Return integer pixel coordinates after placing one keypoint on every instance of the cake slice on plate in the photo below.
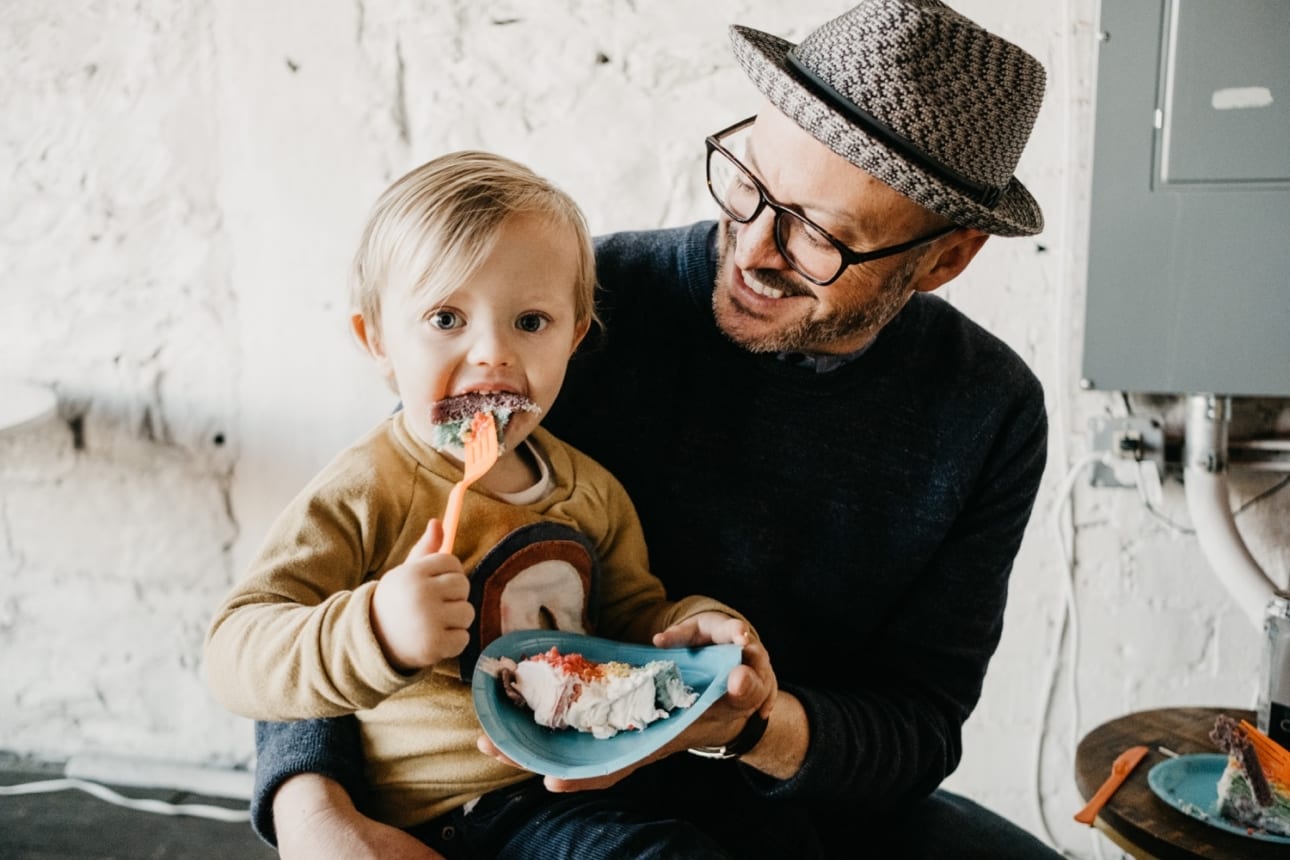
(569, 691)
(1254, 789)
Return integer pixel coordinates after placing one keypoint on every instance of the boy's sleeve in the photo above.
(329, 748)
(294, 639)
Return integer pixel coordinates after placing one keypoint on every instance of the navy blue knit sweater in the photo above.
(864, 519)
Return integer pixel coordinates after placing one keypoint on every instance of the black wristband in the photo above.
(749, 736)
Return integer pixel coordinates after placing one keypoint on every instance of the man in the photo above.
(813, 438)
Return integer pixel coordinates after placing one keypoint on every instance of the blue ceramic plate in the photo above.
(1189, 784)
(570, 754)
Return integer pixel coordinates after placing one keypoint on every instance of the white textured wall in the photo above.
(183, 185)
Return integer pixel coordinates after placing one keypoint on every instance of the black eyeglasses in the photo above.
(809, 248)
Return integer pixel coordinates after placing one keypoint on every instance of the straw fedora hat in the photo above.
(918, 96)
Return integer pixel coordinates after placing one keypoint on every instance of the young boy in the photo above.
(473, 283)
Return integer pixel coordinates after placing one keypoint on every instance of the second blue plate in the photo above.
(1189, 784)
(570, 754)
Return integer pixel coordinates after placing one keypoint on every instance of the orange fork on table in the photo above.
(1123, 765)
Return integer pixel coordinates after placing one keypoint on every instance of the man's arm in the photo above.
(782, 749)
(329, 748)
(897, 732)
(306, 779)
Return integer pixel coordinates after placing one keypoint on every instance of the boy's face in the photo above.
(510, 327)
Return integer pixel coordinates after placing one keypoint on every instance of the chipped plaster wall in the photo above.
(184, 185)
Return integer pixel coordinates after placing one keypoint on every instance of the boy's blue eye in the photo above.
(445, 319)
(531, 323)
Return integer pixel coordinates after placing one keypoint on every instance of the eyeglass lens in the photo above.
(805, 247)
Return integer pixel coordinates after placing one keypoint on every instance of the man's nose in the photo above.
(755, 246)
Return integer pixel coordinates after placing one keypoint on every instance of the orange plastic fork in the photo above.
(481, 453)
(1123, 765)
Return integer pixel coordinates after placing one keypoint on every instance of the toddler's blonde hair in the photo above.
(435, 226)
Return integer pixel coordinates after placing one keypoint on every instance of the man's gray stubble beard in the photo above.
(814, 335)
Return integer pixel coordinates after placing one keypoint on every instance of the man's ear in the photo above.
(369, 337)
(950, 256)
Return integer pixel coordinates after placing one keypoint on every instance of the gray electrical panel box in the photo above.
(1189, 237)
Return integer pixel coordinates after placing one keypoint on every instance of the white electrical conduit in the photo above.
(1205, 481)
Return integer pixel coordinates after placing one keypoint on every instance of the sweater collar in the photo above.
(821, 362)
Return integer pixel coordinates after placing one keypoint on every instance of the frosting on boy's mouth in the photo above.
(451, 416)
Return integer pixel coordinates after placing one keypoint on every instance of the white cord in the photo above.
(1158, 514)
(196, 810)
(1069, 619)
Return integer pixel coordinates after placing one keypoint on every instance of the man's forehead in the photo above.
(815, 179)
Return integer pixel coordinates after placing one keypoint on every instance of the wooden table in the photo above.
(1135, 818)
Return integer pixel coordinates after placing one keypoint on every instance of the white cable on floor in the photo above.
(160, 807)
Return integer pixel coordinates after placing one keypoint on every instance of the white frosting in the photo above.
(604, 706)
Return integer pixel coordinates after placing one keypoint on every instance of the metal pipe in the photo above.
(1264, 455)
(1205, 459)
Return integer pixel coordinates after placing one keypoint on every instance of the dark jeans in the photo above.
(947, 825)
(526, 821)
(636, 819)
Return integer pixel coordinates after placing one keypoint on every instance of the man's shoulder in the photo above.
(952, 341)
(975, 385)
(647, 275)
(662, 248)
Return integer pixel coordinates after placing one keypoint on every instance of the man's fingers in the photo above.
(676, 636)
(718, 627)
(590, 783)
(705, 628)
(756, 656)
(484, 745)
(745, 688)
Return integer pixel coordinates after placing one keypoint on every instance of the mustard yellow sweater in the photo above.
(294, 638)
